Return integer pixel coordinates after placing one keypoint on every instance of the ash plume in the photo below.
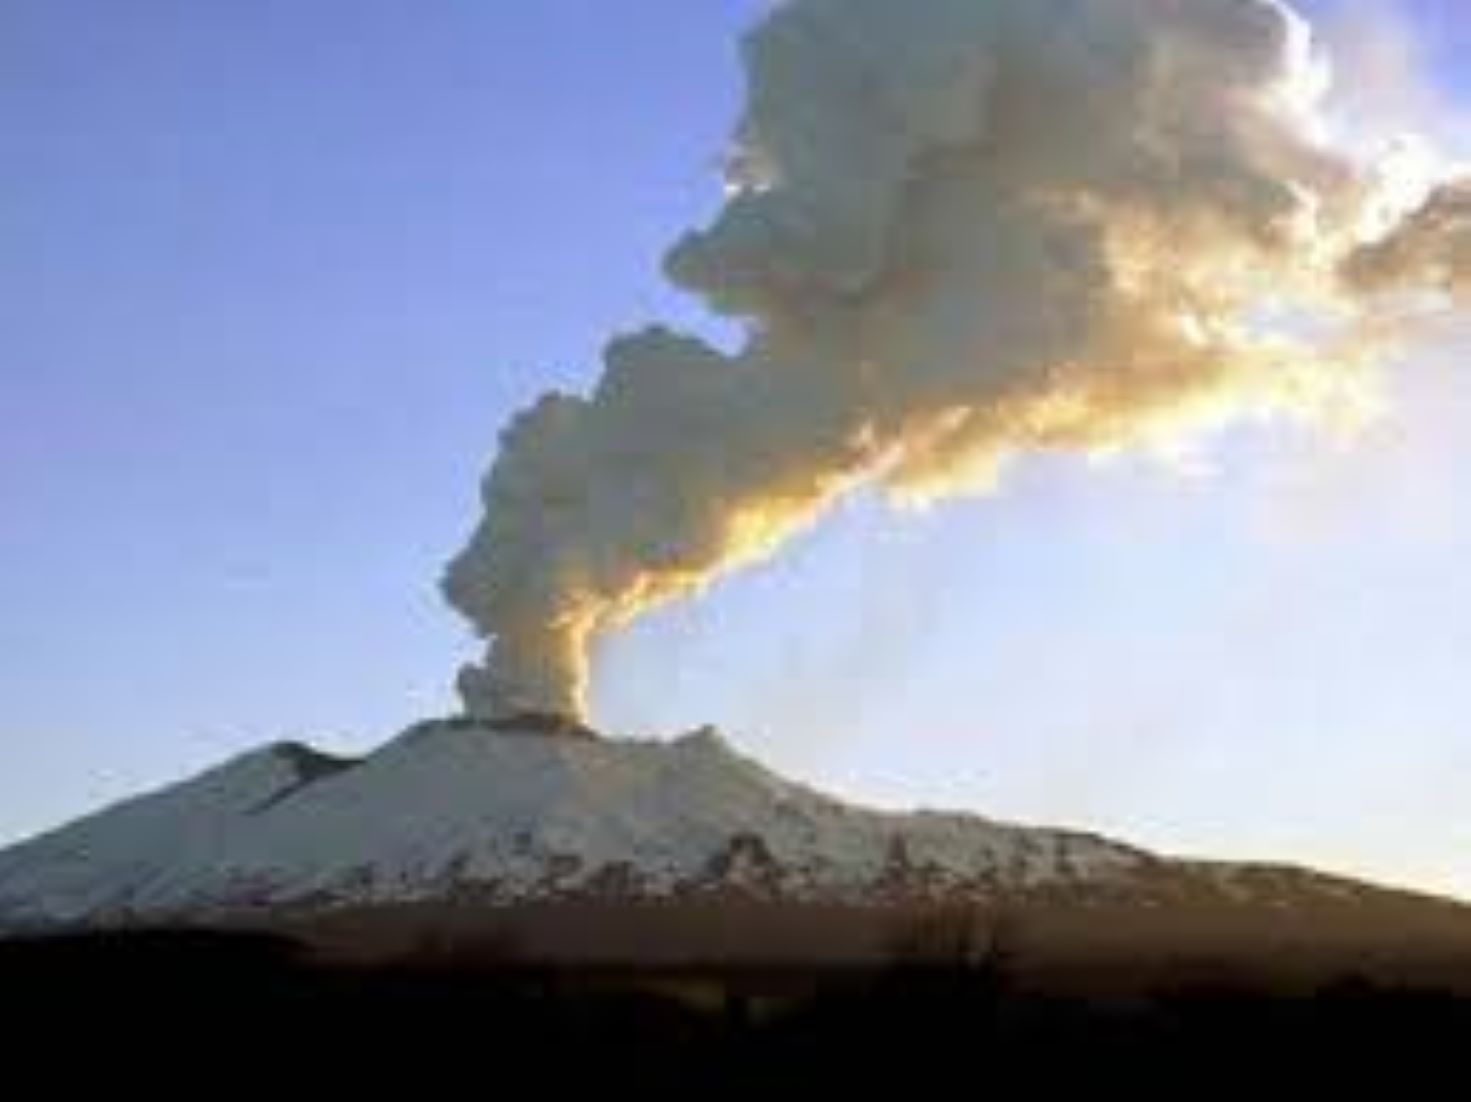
(1429, 252)
(958, 231)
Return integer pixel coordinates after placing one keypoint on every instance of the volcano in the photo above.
(586, 848)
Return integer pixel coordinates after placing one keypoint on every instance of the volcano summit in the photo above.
(587, 848)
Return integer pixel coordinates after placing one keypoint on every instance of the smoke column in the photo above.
(958, 231)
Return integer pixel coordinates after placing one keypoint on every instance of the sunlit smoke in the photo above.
(1428, 253)
(957, 232)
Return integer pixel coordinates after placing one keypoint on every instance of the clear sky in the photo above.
(273, 275)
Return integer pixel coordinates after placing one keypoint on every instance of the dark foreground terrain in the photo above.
(221, 1013)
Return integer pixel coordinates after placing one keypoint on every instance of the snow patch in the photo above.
(471, 807)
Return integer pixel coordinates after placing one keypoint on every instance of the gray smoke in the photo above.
(1429, 252)
(957, 231)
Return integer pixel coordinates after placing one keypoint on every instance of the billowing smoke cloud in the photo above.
(1429, 252)
(957, 231)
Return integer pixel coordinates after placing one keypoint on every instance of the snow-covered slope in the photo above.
(455, 809)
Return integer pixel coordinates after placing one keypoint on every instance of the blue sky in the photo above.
(273, 276)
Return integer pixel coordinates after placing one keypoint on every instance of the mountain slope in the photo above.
(460, 808)
(586, 848)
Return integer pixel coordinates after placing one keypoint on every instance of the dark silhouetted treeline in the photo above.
(256, 1013)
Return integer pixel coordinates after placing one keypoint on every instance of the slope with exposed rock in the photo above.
(620, 847)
